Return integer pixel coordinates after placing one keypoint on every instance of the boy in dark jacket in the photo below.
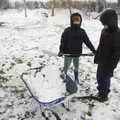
(108, 52)
(71, 44)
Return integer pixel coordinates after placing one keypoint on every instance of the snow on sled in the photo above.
(43, 88)
(46, 85)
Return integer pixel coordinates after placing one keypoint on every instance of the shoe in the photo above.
(101, 97)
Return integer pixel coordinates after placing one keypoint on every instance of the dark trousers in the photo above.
(103, 79)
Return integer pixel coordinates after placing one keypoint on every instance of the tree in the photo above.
(101, 5)
(69, 6)
(53, 7)
(4, 4)
(118, 2)
(25, 8)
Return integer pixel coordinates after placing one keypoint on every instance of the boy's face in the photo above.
(76, 20)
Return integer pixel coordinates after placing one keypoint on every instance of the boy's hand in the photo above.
(60, 54)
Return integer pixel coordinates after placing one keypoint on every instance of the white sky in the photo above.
(48, 0)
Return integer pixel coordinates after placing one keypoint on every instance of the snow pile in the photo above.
(22, 42)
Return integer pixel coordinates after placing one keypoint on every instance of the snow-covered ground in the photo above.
(22, 45)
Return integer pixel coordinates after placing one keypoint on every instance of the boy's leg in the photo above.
(76, 67)
(76, 63)
(103, 80)
(67, 62)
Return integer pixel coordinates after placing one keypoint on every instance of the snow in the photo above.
(42, 84)
(22, 44)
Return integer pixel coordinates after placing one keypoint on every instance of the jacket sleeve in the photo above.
(61, 49)
(88, 42)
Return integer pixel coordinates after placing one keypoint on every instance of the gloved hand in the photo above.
(60, 54)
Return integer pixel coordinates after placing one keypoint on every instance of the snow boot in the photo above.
(102, 97)
(76, 77)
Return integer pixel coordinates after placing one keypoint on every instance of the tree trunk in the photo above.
(25, 8)
(53, 8)
(118, 2)
(69, 6)
(101, 5)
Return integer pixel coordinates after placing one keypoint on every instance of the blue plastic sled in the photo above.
(71, 86)
(47, 104)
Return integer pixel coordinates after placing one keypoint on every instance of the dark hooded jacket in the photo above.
(108, 52)
(72, 39)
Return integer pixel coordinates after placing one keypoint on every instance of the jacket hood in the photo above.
(109, 17)
(75, 14)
